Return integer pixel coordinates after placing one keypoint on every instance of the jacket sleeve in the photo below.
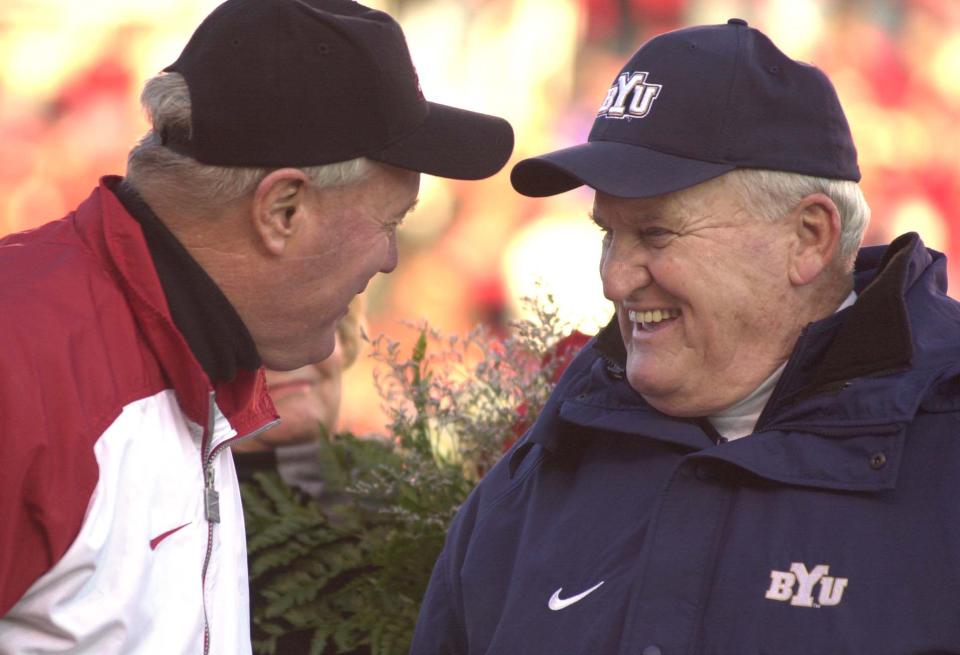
(48, 470)
(24, 546)
(44, 492)
(45, 487)
(439, 629)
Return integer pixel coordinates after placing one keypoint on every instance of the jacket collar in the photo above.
(204, 316)
(117, 238)
(848, 390)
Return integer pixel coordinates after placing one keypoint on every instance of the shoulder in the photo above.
(59, 291)
(934, 326)
(70, 327)
(72, 353)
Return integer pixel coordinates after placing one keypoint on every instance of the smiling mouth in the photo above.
(652, 320)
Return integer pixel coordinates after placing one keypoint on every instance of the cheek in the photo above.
(711, 301)
(690, 282)
(367, 251)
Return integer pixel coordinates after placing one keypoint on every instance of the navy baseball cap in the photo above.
(309, 82)
(695, 103)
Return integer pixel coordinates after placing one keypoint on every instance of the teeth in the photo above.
(652, 316)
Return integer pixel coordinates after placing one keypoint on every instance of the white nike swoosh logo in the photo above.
(557, 603)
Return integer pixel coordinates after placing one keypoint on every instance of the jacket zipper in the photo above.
(211, 500)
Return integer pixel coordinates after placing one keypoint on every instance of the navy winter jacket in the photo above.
(833, 529)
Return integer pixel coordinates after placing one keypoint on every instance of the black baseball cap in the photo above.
(278, 83)
(695, 103)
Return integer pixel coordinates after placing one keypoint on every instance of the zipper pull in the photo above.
(211, 498)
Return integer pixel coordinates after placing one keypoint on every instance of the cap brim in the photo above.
(452, 142)
(617, 169)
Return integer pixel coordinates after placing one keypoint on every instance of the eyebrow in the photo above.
(639, 219)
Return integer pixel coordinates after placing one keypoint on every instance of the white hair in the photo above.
(202, 187)
(774, 193)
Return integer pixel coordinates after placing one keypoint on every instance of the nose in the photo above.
(392, 257)
(623, 268)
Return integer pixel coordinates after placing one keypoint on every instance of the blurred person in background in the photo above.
(308, 402)
(286, 147)
(760, 452)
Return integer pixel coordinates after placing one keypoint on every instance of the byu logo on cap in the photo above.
(635, 84)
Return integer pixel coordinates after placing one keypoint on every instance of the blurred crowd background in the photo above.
(71, 72)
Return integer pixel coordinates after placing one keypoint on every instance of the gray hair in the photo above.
(166, 100)
(774, 193)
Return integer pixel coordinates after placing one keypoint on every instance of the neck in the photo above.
(739, 419)
(217, 241)
(824, 298)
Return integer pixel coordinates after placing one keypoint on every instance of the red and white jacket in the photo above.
(114, 457)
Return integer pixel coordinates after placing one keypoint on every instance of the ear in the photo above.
(279, 205)
(816, 222)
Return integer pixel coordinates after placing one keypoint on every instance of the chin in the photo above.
(660, 395)
(641, 382)
(292, 360)
(644, 374)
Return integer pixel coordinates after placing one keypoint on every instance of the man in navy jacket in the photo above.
(761, 452)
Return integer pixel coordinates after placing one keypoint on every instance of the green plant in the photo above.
(345, 574)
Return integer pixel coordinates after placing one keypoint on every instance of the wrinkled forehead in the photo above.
(716, 192)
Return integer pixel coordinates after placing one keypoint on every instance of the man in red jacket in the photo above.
(286, 147)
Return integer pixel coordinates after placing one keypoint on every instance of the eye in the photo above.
(656, 237)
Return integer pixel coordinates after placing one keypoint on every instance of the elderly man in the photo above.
(761, 452)
(286, 146)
